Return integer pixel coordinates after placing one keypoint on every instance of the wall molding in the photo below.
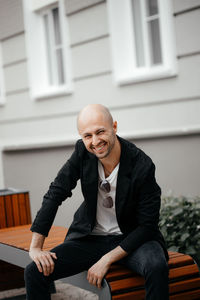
(67, 140)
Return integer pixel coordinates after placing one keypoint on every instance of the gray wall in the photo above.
(177, 170)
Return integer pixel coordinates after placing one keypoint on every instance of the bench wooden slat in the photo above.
(184, 285)
(191, 270)
(135, 295)
(192, 295)
(127, 284)
(175, 262)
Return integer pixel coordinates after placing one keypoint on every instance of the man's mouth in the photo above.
(100, 147)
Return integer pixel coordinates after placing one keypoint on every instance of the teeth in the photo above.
(98, 149)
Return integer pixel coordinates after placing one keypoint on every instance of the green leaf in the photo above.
(184, 236)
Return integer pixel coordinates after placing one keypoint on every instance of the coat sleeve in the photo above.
(147, 213)
(60, 189)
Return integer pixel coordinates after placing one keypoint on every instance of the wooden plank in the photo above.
(181, 272)
(28, 209)
(9, 211)
(22, 209)
(184, 285)
(135, 295)
(2, 213)
(128, 283)
(191, 295)
(138, 282)
(20, 237)
(12, 276)
(180, 261)
(16, 212)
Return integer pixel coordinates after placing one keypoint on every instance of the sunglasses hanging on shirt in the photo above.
(105, 186)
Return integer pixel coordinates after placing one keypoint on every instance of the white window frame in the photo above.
(125, 69)
(2, 83)
(40, 86)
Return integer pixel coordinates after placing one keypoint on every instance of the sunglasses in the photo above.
(105, 186)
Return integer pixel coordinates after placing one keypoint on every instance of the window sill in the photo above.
(143, 75)
(52, 92)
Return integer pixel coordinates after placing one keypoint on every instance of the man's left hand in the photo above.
(98, 271)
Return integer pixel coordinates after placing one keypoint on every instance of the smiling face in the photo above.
(98, 131)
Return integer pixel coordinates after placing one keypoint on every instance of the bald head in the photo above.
(92, 112)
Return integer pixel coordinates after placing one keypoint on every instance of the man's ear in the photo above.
(115, 126)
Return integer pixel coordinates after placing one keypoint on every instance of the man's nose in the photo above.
(95, 140)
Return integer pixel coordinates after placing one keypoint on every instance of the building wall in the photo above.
(161, 116)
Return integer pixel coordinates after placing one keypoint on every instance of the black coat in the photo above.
(137, 196)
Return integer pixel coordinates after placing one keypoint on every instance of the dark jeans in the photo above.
(79, 255)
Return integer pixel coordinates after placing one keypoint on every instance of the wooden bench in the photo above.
(119, 283)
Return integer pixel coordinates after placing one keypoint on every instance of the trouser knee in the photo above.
(158, 270)
(31, 274)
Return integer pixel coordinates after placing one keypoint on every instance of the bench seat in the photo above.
(119, 283)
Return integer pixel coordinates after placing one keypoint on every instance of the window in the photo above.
(48, 49)
(142, 39)
(2, 94)
(54, 47)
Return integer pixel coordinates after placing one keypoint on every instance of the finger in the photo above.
(48, 263)
(45, 266)
(51, 263)
(99, 283)
(53, 255)
(37, 262)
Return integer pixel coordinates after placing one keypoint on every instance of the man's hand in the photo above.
(98, 271)
(43, 259)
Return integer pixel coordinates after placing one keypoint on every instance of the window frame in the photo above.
(40, 88)
(122, 37)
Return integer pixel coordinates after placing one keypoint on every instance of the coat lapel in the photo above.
(124, 176)
(90, 185)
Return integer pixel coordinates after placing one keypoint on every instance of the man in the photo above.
(117, 221)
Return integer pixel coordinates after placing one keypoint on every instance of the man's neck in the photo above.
(112, 160)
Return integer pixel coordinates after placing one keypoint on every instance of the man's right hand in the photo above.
(43, 259)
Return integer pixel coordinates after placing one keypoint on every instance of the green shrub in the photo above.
(180, 224)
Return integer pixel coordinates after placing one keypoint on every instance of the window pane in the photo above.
(60, 68)
(139, 46)
(152, 7)
(48, 49)
(56, 26)
(155, 45)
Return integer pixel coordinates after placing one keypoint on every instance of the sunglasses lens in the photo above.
(108, 202)
(105, 185)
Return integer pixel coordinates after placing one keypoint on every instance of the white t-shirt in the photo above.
(106, 221)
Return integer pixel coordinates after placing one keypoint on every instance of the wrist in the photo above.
(107, 258)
